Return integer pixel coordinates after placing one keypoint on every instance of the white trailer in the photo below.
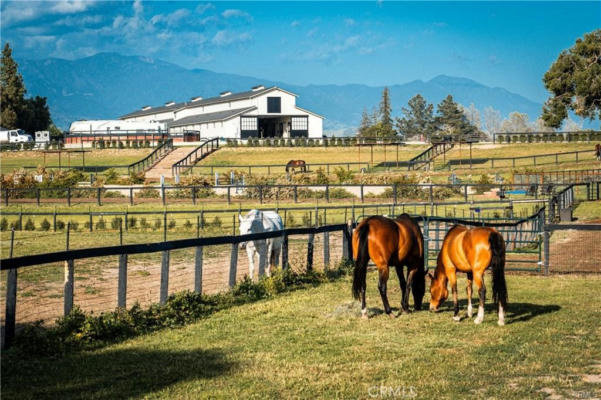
(14, 136)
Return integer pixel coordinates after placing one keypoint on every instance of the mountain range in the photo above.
(107, 85)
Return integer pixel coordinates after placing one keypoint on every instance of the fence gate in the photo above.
(572, 248)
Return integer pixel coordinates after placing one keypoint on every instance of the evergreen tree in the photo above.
(385, 115)
(451, 121)
(365, 123)
(418, 119)
(573, 80)
(35, 115)
(12, 90)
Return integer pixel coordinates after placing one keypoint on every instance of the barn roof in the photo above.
(209, 117)
(204, 102)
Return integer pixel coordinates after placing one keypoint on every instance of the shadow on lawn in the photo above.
(123, 373)
(516, 312)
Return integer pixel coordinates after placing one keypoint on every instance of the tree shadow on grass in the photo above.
(112, 374)
(516, 312)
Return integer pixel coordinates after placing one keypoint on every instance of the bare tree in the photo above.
(517, 122)
(492, 120)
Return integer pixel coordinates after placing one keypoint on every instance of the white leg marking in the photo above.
(364, 313)
(501, 321)
(457, 318)
(480, 316)
(470, 311)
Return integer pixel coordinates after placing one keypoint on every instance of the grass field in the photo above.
(10, 161)
(312, 344)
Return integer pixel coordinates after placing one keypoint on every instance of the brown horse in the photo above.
(598, 151)
(471, 251)
(293, 164)
(395, 243)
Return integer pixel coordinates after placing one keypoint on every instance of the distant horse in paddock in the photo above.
(470, 250)
(390, 242)
(267, 250)
(294, 164)
(598, 151)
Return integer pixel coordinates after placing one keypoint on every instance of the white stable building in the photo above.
(261, 112)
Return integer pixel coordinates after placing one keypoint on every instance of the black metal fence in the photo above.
(572, 248)
(156, 155)
(204, 149)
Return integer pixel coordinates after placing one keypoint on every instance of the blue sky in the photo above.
(505, 44)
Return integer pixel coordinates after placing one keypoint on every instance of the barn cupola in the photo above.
(258, 87)
(226, 93)
(195, 99)
(146, 108)
(169, 103)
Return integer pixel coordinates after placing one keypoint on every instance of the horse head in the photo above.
(251, 223)
(438, 291)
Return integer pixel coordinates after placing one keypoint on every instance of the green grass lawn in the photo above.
(10, 161)
(312, 344)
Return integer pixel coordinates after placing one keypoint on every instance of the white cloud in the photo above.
(202, 8)
(70, 6)
(226, 38)
(349, 21)
(234, 13)
(294, 24)
(171, 19)
(79, 20)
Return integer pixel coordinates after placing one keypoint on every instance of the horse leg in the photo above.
(363, 306)
(453, 282)
(470, 278)
(410, 274)
(383, 275)
(250, 251)
(403, 284)
(479, 281)
(268, 256)
(261, 249)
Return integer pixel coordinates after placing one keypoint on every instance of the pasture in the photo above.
(312, 344)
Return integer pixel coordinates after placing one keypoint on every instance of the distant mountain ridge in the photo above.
(107, 85)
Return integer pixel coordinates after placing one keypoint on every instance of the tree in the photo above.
(451, 121)
(540, 126)
(12, 90)
(492, 120)
(365, 123)
(35, 115)
(385, 114)
(418, 119)
(569, 125)
(472, 114)
(574, 82)
(517, 122)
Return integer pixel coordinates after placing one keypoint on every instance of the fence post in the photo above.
(395, 190)
(465, 192)
(295, 193)
(198, 270)
(38, 196)
(69, 196)
(69, 273)
(6, 197)
(122, 284)
(163, 194)
(164, 291)
(326, 250)
(546, 236)
(131, 196)
(310, 251)
(327, 193)
(284, 250)
(11, 299)
(229, 196)
(98, 201)
(361, 193)
(260, 194)
(426, 242)
(233, 264)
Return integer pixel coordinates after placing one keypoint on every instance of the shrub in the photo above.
(216, 222)
(321, 177)
(3, 224)
(111, 175)
(484, 180)
(187, 224)
(29, 225)
(16, 225)
(172, 224)
(343, 175)
(121, 146)
(144, 224)
(74, 225)
(136, 177)
(157, 223)
(131, 222)
(60, 224)
(100, 224)
(116, 223)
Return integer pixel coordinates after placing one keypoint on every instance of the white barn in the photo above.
(261, 112)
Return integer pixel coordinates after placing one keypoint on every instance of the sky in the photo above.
(499, 44)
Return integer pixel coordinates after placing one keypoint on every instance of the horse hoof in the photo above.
(391, 315)
(500, 323)
(457, 318)
(364, 317)
(477, 321)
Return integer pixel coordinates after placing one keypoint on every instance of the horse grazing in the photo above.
(268, 250)
(294, 164)
(471, 251)
(598, 151)
(395, 243)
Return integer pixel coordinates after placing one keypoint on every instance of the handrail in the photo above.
(205, 148)
(431, 152)
(148, 161)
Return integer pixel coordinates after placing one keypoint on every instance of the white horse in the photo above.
(268, 250)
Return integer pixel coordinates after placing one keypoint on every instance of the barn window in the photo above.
(248, 123)
(274, 105)
(299, 124)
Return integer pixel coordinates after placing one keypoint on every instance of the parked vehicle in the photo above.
(15, 136)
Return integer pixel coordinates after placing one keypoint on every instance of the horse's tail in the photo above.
(360, 272)
(497, 263)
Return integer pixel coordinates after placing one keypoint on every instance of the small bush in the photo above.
(100, 224)
(131, 222)
(144, 224)
(216, 222)
(187, 224)
(172, 224)
(60, 224)
(116, 223)
(29, 225)
(157, 223)
(45, 225)
(16, 225)
(3, 224)
(121, 146)
(74, 225)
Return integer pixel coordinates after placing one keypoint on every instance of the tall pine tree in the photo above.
(451, 121)
(417, 120)
(12, 91)
(386, 129)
